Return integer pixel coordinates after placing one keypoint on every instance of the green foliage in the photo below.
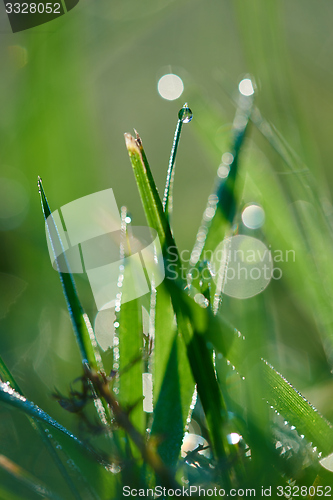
(260, 431)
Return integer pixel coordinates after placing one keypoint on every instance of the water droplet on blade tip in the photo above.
(185, 114)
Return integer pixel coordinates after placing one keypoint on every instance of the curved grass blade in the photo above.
(10, 396)
(276, 390)
(84, 460)
(26, 479)
(83, 330)
(184, 116)
(6, 376)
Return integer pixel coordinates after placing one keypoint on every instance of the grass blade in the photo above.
(83, 330)
(26, 479)
(297, 410)
(148, 192)
(198, 354)
(10, 396)
(184, 116)
(6, 376)
(131, 361)
(221, 205)
(173, 403)
(276, 390)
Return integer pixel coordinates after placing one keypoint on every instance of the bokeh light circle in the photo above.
(170, 87)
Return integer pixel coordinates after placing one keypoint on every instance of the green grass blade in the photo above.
(6, 376)
(297, 410)
(164, 326)
(81, 324)
(86, 461)
(26, 479)
(184, 116)
(10, 396)
(173, 402)
(130, 347)
(148, 192)
(276, 390)
(198, 354)
(83, 330)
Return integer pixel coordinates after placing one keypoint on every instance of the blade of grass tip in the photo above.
(196, 347)
(83, 330)
(27, 479)
(184, 116)
(148, 192)
(6, 376)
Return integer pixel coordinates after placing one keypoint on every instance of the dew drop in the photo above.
(234, 438)
(185, 114)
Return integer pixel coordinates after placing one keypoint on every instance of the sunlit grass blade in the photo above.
(164, 314)
(26, 479)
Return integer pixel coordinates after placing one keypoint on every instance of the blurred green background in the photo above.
(69, 91)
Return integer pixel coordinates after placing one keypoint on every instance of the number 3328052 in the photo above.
(33, 8)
